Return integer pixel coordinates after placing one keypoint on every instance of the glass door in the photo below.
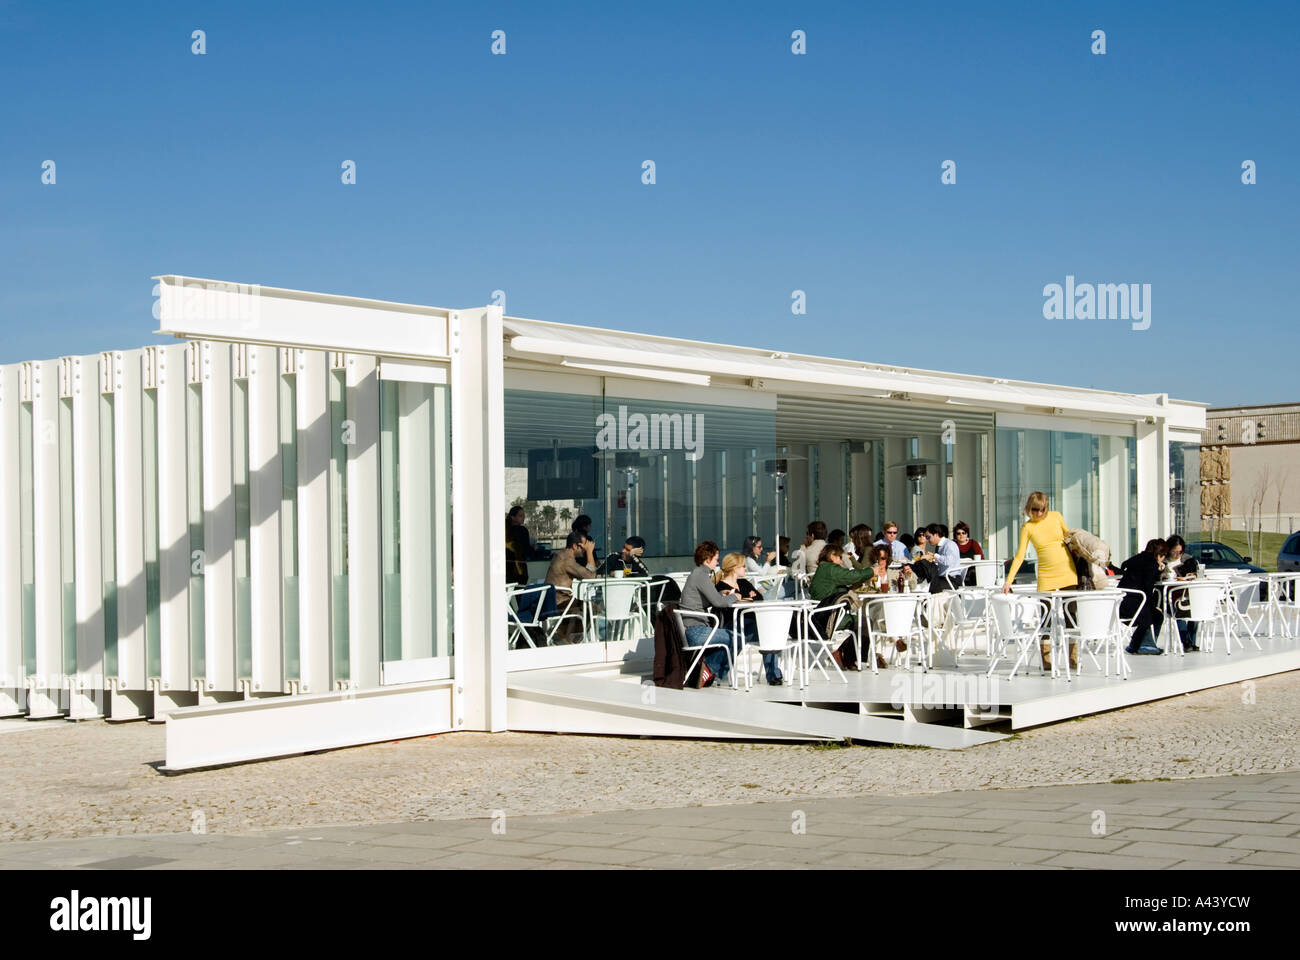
(415, 512)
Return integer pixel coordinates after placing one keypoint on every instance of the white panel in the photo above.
(248, 313)
(12, 683)
(218, 522)
(87, 697)
(1022, 421)
(264, 490)
(478, 464)
(415, 518)
(390, 369)
(314, 605)
(256, 729)
(48, 577)
(128, 505)
(173, 521)
(365, 615)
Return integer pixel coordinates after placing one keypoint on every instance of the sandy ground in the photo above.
(95, 779)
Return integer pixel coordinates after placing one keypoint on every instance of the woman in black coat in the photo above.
(1143, 572)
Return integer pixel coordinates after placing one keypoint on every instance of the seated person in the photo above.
(941, 563)
(882, 580)
(576, 561)
(1142, 572)
(730, 583)
(889, 538)
(838, 538)
(1181, 565)
(804, 560)
(699, 594)
(860, 537)
(756, 561)
(627, 561)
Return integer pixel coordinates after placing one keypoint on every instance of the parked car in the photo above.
(1211, 553)
(1288, 558)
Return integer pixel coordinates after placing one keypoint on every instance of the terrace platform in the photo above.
(944, 708)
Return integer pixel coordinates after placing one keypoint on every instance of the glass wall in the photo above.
(670, 471)
(1185, 488)
(1090, 479)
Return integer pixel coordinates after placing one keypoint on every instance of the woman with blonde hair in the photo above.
(730, 582)
(1047, 531)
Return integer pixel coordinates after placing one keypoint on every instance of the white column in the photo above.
(86, 699)
(13, 694)
(128, 507)
(264, 491)
(48, 577)
(1153, 481)
(415, 518)
(478, 464)
(314, 607)
(365, 589)
(218, 522)
(173, 526)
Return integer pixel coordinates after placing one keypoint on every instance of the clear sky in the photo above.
(774, 172)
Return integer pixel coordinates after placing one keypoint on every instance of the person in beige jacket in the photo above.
(566, 566)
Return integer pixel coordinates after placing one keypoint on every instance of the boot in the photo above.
(1046, 650)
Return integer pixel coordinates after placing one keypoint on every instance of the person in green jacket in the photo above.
(831, 576)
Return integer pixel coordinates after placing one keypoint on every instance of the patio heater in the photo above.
(777, 467)
(916, 471)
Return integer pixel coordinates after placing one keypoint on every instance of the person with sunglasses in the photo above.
(1047, 531)
(889, 538)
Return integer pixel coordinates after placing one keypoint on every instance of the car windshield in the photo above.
(1229, 555)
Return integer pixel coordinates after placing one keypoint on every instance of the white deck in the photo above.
(937, 709)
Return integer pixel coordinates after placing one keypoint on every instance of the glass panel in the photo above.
(26, 509)
(153, 637)
(415, 501)
(289, 522)
(107, 529)
(243, 583)
(194, 508)
(340, 431)
(67, 537)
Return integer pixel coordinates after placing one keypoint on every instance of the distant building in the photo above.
(1263, 446)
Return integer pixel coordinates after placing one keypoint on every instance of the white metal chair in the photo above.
(709, 641)
(522, 618)
(567, 612)
(772, 620)
(1245, 594)
(968, 617)
(1284, 600)
(1208, 603)
(891, 617)
(1092, 621)
(820, 642)
(1016, 619)
(619, 596)
(1129, 624)
(987, 572)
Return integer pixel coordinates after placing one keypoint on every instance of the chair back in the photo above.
(619, 594)
(898, 611)
(773, 627)
(1217, 573)
(986, 573)
(1244, 593)
(1095, 616)
(1015, 616)
(968, 606)
(1203, 597)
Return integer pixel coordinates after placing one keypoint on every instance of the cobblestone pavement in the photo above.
(1217, 823)
(96, 779)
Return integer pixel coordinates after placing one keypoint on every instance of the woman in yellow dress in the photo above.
(1047, 531)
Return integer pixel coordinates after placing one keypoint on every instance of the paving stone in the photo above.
(1276, 844)
(480, 861)
(1081, 842)
(786, 839)
(505, 847)
(1272, 858)
(1183, 851)
(1109, 861)
(1233, 813)
(1194, 837)
(597, 855)
(689, 847)
(999, 854)
(984, 838)
(1247, 827)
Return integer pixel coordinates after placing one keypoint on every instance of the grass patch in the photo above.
(1124, 780)
(833, 744)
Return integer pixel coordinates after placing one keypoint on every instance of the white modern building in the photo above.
(285, 532)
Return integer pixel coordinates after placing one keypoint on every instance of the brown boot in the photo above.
(1046, 650)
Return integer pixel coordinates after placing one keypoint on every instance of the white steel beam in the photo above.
(44, 697)
(128, 507)
(13, 693)
(314, 607)
(478, 465)
(365, 590)
(251, 313)
(264, 491)
(218, 523)
(173, 527)
(86, 690)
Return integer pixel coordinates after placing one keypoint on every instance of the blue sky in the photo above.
(774, 172)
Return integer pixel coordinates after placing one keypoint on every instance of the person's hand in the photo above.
(771, 555)
(1006, 588)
